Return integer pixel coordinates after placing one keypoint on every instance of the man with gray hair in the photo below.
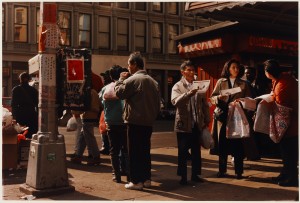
(142, 105)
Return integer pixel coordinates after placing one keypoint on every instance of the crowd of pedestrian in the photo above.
(127, 104)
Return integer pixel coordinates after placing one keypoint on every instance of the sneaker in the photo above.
(132, 186)
(147, 184)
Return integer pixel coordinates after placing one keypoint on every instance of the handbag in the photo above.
(237, 124)
(206, 140)
(280, 119)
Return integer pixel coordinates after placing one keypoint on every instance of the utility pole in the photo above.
(47, 171)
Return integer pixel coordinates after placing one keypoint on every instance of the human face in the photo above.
(132, 68)
(188, 73)
(250, 75)
(234, 70)
(268, 75)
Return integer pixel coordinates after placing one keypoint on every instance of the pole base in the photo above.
(45, 192)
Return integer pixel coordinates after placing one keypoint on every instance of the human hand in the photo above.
(192, 92)
(124, 75)
(222, 97)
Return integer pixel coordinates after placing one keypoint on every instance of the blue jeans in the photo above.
(88, 139)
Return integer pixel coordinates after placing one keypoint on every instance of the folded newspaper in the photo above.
(201, 85)
(231, 91)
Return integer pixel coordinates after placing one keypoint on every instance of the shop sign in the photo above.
(289, 47)
(200, 46)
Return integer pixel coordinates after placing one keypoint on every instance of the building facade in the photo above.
(111, 30)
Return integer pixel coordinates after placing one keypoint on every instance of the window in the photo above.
(21, 24)
(187, 28)
(173, 8)
(140, 36)
(38, 17)
(141, 6)
(157, 38)
(3, 23)
(105, 4)
(123, 5)
(104, 32)
(84, 30)
(157, 7)
(173, 31)
(122, 34)
(64, 24)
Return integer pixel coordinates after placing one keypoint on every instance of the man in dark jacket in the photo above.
(24, 104)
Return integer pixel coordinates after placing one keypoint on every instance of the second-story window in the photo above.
(38, 21)
(84, 39)
(104, 32)
(64, 24)
(122, 34)
(187, 28)
(105, 4)
(140, 35)
(20, 24)
(157, 7)
(157, 38)
(173, 32)
(140, 6)
(123, 5)
(172, 8)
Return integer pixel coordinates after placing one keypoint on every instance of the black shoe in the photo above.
(221, 175)
(104, 151)
(239, 176)
(278, 178)
(288, 183)
(197, 179)
(94, 161)
(183, 181)
(117, 179)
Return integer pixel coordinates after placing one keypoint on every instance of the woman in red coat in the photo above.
(285, 92)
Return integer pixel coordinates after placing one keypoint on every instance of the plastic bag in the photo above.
(6, 117)
(237, 123)
(109, 92)
(206, 140)
(72, 124)
(262, 117)
(279, 121)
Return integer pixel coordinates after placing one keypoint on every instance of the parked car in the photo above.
(6, 103)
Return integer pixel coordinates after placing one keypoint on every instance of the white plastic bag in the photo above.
(109, 92)
(6, 117)
(72, 124)
(206, 140)
(237, 124)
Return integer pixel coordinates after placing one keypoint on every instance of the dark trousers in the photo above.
(139, 144)
(118, 144)
(233, 147)
(184, 142)
(289, 152)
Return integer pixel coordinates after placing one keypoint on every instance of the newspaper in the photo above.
(201, 85)
(248, 103)
(267, 97)
(231, 91)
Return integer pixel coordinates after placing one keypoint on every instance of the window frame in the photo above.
(121, 34)
(144, 36)
(144, 3)
(84, 30)
(3, 22)
(21, 24)
(160, 7)
(177, 8)
(68, 29)
(102, 32)
(155, 50)
(171, 40)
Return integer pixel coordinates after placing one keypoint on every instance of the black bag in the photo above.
(220, 114)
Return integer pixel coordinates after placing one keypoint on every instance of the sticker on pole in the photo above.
(75, 70)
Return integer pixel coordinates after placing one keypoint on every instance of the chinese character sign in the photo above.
(75, 70)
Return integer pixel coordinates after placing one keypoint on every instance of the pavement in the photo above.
(95, 182)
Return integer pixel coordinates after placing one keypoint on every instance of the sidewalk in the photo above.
(94, 182)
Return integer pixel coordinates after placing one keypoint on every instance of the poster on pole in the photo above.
(75, 70)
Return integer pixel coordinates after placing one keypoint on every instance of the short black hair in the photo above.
(115, 71)
(23, 76)
(225, 72)
(136, 58)
(185, 64)
(272, 67)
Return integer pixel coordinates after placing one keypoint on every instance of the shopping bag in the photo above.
(237, 124)
(72, 124)
(262, 117)
(206, 139)
(279, 121)
(109, 92)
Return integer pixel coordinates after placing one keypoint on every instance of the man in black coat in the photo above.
(24, 104)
